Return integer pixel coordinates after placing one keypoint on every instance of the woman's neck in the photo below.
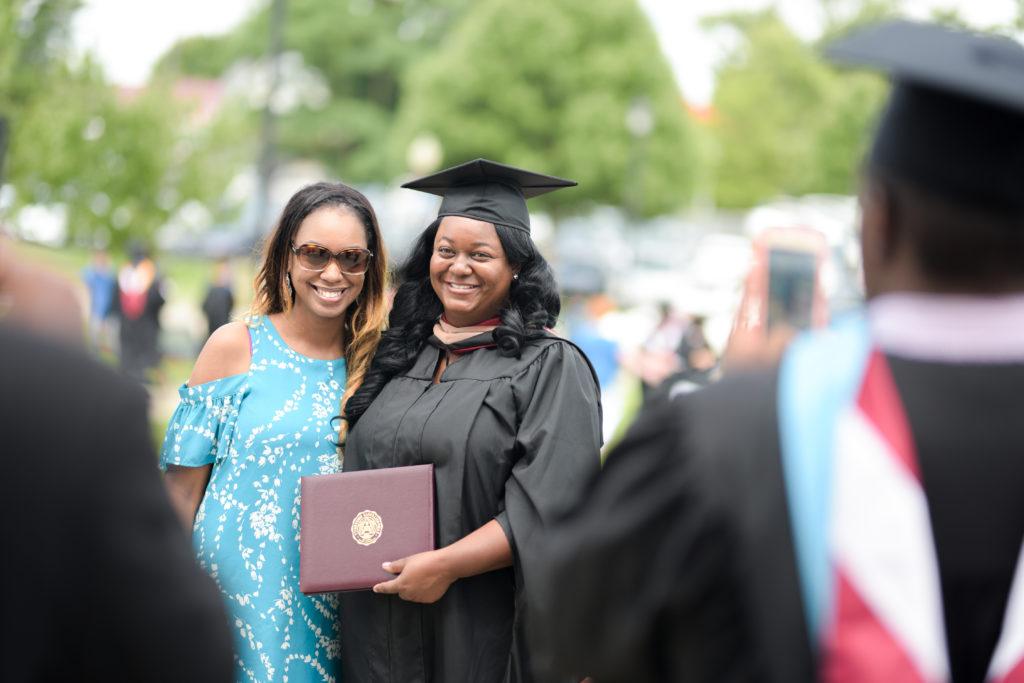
(464, 322)
(311, 335)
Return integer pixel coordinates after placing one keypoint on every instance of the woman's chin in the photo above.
(330, 310)
(460, 310)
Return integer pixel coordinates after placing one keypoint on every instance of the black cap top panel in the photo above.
(955, 121)
(975, 65)
(488, 191)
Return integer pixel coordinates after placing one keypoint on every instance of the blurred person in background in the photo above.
(257, 414)
(658, 357)
(699, 362)
(469, 378)
(99, 583)
(219, 299)
(583, 322)
(99, 280)
(854, 514)
(140, 298)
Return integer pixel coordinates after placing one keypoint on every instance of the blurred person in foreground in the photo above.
(469, 378)
(219, 299)
(34, 298)
(257, 415)
(99, 583)
(140, 297)
(854, 514)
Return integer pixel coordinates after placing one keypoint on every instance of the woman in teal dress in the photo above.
(259, 412)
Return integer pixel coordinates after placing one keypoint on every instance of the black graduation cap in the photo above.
(488, 191)
(954, 123)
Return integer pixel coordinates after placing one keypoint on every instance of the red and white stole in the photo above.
(886, 620)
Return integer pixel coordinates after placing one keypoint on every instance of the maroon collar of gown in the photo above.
(483, 340)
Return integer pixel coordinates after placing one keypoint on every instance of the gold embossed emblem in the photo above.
(367, 527)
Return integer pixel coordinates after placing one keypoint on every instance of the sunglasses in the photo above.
(312, 256)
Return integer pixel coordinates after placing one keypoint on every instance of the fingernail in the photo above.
(385, 566)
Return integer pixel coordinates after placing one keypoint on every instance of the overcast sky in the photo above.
(129, 35)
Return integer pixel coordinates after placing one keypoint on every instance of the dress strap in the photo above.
(257, 328)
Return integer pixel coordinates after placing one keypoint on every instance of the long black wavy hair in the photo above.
(533, 304)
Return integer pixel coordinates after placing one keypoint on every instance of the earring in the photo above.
(515, 276)
(288, 279)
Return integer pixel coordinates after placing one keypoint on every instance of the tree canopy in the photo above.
(119, 162)
(788, 123)
(548, 85)
(360, 48)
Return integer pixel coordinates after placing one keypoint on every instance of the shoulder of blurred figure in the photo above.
(59, 373)
(225, 353)
(37, 299)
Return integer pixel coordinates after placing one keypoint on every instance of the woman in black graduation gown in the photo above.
(469, 378)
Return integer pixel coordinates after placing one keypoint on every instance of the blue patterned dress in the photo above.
(262, 431)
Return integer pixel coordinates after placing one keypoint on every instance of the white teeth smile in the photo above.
(331, 294)
(461, 287)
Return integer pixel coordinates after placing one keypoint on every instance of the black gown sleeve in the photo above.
(558, 443)
(634, 585)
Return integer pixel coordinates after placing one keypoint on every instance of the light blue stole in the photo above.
(818, 379)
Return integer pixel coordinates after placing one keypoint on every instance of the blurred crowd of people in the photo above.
(124, 308)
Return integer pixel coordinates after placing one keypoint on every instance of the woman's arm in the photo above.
(425, 577)
(226, 353)
(186, 486)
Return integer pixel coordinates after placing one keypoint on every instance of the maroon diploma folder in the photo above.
(353, 521)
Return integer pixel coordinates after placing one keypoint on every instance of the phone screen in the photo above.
(791, 279)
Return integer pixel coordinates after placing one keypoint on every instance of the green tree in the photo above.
(118, 162)
(547, 84)
(34, 44)
(360, 48)
(105, 160)
(787, 122)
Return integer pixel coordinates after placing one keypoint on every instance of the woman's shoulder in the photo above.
(554, 348)
(549, 351)
(226, 352)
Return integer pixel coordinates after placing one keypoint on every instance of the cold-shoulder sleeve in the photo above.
(558, 448)
(200, 431)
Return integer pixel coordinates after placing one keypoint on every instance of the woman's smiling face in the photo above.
(469, 271)
(328, 292)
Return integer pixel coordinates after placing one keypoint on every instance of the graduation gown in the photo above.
(681, 561)
(511, 439)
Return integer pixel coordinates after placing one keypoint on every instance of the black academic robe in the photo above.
(217, 305)
(511, 439)
(681, 561)
(139, 336)
(99, 580)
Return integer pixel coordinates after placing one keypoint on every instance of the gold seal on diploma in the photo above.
(367, 527)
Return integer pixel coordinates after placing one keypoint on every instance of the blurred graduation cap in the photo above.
(488, 191)
(954, 123)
